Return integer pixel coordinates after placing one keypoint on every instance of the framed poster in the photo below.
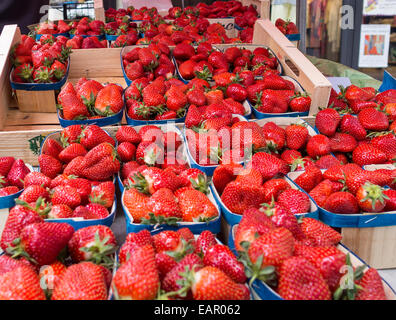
(379, 8)
(374, 45)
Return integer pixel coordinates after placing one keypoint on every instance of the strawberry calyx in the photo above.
(26, 72)
(90, 103)
(348, 288)
(374, 193)
(43, 75)
(187, 247)
(40, 206)
(99, 252)
(204, 74)
(16, 250)
(139, 183)
(160, 220)
(255, 271)
(202, 184)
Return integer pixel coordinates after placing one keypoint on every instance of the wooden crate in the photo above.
(376, 246)
(294, 63)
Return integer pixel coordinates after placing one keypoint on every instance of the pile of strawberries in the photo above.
(89, 99)
(126, 32)
(176, 265)
(79, 42)
(43, 62)
(300, 261)
(87, 27)
(348, 189)
(150, 62)
(52, 28)
(112, 14)
(259, 186)
(12, 174)
(367, 138)
(159, 100)
(76, 172)
(48, 260)
(286, 27)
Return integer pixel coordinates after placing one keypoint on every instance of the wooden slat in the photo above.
(36, 101)
(18, 118)
(295, 64)
(95, 63)
(376, 246)
(9, 37)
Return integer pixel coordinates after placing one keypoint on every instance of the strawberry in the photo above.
(342, 202)
(310, 178)
(328, 260)
(327, 121)
(37, 178)
(300, 280)
(72, 151)
(193, 117)
(372, 286)
(374, 120)
(49, 166)
(368, 154)
(21, 283)
(300, 103)
(390, 203)
(273, 188)
(73, 168)
(128, 134)
(337, 173)
(355, 179)
(6, 191)
(321, 192)
(221, 257)
(133, 241)
(94, 243)
(195, 178)
(66, 195)
(60, 211)
(82, 186)
(342, 142)
(275, 136)
(318, 145)
(137, 278)
(163, 203)
(371, 198)
(204, 241)
(385, 142)
(5, 165)
(355, 93)
(296, 136)
(73, 108)
(33, 193)
(92, 135)
(210, 283)
(224, 174)
(151, 179)
(165, 264)
(19, 217)
(103, 194)
(17, 173)
(196, 206)
(320, 233)
(71, 134)
(268, 165)
(42, 242)
(236, 92)
(239, 196)
(294, 200)
(196, 97)
(350, 124)
(327, 161)
(136, 203)
(100, 163)
(7, 263)
(109, 101)
(82, 281)
(51, 274)
(234, 107)
(97, 211)
(149, 153)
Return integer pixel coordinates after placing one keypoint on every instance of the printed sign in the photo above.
(374, 46)
(379, 7)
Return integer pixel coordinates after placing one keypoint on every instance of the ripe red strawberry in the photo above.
(37, 178)
(149, 153)
(164, 203)
(204, 241)
(100, 163)
(372, 285)
(318, 145)
(296, 136)
(172, 279)
(320, 233)
(342, 142)
(73, 107)
(350, 124)
(137, 279)
(49, 166)
(52, 147)
(82, 281)
(295, 200)
(300, 103)
(386, 143)
(42, 242)
(196, 206)
(72, 151)
(7, 263)
(97, 211)
(71, 134)
(165, 264)
(301, 280)
(93, 135)
(268, 165)
(221, 257)
(390, 204)
(368, 154)
(355, 179)
(73, 168)
(18, 218)
(210, 283)
(103, 194)
(238, 196)
(34, 192)
(94, 243)
(5, 165)
(60, 211)
(321, 192)
(133, 241)
(371, 198)
(224, 174)
(374, 120)
(128, 134)
(273, 188)
(17, 173)
(355, 93)
(20, 283)
(328, 260)
(6, 191)
(327, 121)
(342, 202)
(327, 161)
(310, 178)
(336, 173)
(51, 274)
(136, 203)
(151, 179)
(82, 186)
